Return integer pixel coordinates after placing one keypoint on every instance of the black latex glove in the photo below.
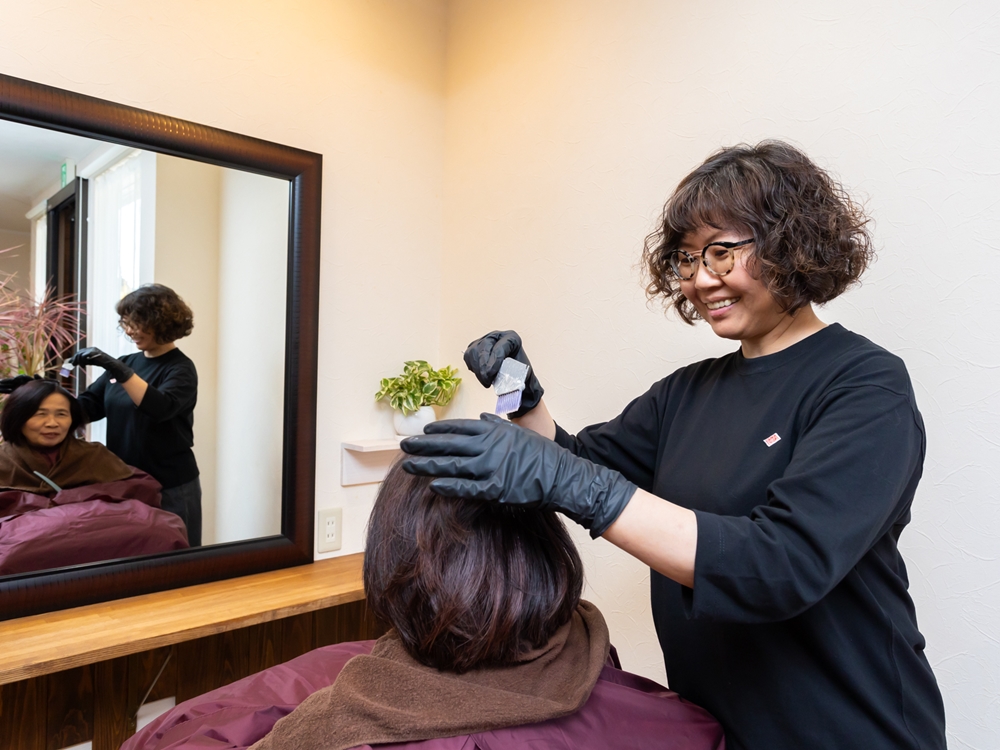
(9, 385)
(94, 356)
(484, 357)
(492, 459)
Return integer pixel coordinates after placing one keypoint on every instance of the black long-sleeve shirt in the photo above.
(158, 435)
(800, 466)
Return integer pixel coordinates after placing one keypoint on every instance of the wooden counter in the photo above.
(80, 674)
(47, 643)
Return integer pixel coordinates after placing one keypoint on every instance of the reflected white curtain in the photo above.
(39, 243)
(114, 259)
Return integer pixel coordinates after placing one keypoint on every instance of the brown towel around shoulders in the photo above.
(388, 696)
(77, 464)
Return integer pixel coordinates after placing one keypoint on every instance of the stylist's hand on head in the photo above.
(484, 357)
(493, 460)
(94, 356)
(9, 385)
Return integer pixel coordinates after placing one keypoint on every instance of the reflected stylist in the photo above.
(766, 489)
(149, 397)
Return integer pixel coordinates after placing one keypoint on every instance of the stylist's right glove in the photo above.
(94, 356)
(484, 357)
(494, 460)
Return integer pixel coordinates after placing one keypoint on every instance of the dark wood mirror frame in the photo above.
(47, 107)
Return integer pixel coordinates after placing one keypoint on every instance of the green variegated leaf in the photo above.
(419, 385)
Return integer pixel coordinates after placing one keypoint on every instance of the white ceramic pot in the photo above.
(414, 423)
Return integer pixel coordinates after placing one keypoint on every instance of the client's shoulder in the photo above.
(94, 461)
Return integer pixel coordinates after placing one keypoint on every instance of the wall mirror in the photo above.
(97, 198)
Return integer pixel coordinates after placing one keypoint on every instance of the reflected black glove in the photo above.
(492, 459)
(94, 356)
(484, 357)
(9, 385)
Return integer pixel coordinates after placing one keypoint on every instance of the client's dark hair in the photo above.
(21, 405)
(466, 583)
(157, 309)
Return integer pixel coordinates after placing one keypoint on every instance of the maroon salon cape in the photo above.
(624, 711)
(85, 524)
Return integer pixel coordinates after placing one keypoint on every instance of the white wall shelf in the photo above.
(367, 461)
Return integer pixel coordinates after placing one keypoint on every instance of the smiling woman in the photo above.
(39, 414)
(809, 237)
(67, 501)
(736, 303)
(148, 398)
(50, 425)
(773, 234)
(767, 489)
(39, 451)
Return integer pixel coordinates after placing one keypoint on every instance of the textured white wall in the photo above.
(186, 258)
(359, 81)
(253, 237)
(16, 261)
(568, 122)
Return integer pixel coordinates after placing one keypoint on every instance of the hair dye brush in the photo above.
(509, 384)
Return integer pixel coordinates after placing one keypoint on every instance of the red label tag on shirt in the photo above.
(769, 441)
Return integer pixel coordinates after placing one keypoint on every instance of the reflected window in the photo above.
(120, 251)
(39, 240)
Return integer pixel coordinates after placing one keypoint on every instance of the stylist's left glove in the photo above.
(94, 356)
(491, 459)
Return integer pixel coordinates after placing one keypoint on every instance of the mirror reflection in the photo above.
(149, 292)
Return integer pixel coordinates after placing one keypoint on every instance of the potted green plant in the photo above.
(415, 392)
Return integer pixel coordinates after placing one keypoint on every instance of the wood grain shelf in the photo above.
(46, 643)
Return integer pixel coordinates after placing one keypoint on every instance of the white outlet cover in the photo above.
(329, 529)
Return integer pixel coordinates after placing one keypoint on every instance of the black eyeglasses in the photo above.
(717, 257)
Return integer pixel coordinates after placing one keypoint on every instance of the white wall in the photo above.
(186, 258)
(17, 261)
(253, 258)
(221, 243)
(570, 121)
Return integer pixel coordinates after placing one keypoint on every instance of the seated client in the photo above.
(63, 500)
(38, 423)
(490, 646)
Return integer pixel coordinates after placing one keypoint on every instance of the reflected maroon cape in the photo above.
(102, 521)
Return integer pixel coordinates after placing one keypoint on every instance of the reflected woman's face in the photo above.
(143, 339)
(50, 424)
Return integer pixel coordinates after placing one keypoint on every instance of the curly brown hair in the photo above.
(157, 309)
(811, 239)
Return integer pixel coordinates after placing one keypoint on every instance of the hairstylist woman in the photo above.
(148, 398)
(766, 489)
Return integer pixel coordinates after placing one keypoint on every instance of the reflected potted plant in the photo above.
(415, 392)
(34, 335)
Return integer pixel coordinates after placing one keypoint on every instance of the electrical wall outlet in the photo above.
(328, 529)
